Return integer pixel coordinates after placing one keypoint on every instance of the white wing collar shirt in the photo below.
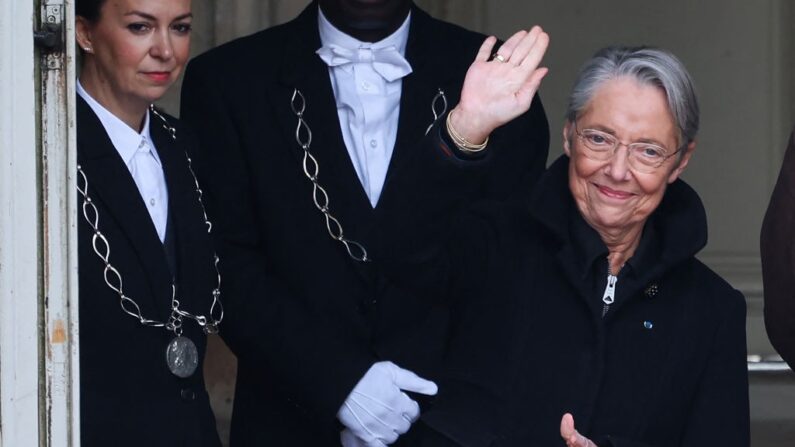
(367, 82)
(140, 155)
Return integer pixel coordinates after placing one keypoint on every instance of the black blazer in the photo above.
(128, 397)
(274, 242)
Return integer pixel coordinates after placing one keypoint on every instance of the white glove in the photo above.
(377, 411)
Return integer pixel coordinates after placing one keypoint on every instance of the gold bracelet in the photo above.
(462, 142)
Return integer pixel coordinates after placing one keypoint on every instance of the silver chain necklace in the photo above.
(182, 357)
(303, 136)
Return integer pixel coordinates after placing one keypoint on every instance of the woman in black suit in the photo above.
(149, 287)
(589, 319)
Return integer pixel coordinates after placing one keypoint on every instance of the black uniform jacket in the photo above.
(275, 244)
(778, 259)
(128, 396)
(665, 366)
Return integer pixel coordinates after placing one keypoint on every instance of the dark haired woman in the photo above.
(149, 288)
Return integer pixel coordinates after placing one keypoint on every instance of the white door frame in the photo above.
(39, 376)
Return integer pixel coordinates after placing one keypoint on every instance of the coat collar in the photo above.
(674, 232)
(125, 139)
(434, 65)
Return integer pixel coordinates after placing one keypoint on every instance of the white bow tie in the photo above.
(388, 62)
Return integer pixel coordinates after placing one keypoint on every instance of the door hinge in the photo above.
(49, 38)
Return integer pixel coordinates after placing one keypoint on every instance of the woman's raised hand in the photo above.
(498, 90)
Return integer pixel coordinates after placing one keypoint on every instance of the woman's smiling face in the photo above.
(610, 195)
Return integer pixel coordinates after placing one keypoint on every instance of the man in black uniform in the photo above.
(316, 171)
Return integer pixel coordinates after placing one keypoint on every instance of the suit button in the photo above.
(187, 394)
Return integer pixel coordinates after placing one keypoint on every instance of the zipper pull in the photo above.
(610, 290)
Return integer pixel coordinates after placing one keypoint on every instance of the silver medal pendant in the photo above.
(182, 357)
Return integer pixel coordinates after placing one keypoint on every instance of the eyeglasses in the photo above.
(642, 157)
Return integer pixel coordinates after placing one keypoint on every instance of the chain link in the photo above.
(303, 136)
(113, 277)
(437, 113)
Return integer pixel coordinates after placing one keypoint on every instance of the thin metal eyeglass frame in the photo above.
(618, 143)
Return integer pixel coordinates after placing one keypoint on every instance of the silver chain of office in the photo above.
(303, 136)
(113, 277)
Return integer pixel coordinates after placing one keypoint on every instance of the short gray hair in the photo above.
(648, 66)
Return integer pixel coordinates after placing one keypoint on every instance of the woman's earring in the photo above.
(87, 49)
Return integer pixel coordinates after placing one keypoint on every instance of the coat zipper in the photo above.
(610, 291)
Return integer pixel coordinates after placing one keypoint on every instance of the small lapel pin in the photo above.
(651, 290)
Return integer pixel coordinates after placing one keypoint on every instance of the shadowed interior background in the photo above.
(742, 57)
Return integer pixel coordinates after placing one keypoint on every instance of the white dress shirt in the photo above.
(140, 155)
(368, 105)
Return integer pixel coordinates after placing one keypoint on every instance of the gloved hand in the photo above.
(377, 411)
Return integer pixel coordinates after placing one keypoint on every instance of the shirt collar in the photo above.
(329, 34)
(124, 138)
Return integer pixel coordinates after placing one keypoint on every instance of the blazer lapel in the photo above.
(431, 73)
(309, 74)
(110, 184)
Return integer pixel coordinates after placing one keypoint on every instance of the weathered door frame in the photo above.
(39, 367)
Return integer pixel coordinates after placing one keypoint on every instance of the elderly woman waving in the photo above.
(586, 318)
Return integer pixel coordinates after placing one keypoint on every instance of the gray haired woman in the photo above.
(585, 317)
